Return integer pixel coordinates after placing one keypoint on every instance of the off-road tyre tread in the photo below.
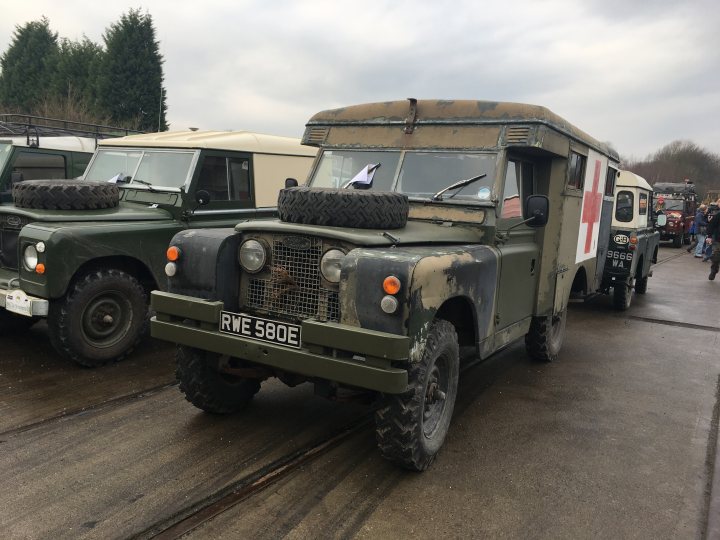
(353, 208)
(396, 419)
(58, 325)
(622, 296)
(202, 385)
(65, 195)
(641, 285)
(538, 340)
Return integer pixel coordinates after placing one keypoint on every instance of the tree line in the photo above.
(678, 161)
(119, 82)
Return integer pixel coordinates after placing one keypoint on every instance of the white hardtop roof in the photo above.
(241, 141)
(68, 143)
(630, 179)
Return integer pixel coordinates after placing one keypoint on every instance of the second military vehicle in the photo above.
(86, 253)
(425, 226)
(678, 202)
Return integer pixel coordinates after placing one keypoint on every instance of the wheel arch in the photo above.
(461, 313)
(130, 265)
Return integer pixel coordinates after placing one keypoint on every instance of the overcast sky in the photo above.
(636, 73)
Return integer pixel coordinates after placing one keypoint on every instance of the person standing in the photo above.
(713, 232)
(700, 225)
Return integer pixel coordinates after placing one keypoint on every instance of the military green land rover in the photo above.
(86, 253)
(424, 227)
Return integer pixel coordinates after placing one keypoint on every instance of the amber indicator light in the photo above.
(391, 285)
(173, 253)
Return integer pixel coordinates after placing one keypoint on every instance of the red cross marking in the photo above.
(591, 207)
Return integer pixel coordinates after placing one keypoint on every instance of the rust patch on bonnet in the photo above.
(436, 212)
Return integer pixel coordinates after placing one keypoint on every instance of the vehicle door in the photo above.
(519, 249)
(228, 180)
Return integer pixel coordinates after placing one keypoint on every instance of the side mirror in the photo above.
(291, 182)
(536, 210)
(661, 220)
(202, 197)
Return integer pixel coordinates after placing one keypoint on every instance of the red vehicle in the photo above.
(678, 201)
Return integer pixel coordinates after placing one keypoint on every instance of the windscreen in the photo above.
(414, 173)
(127, 166)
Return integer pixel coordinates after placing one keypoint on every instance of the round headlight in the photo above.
(252, 256)
(330, 265)
(30, 257)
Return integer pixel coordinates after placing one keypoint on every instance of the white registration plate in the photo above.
(18, 302)
(240, 324)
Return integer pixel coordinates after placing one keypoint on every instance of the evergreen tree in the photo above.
(76, 72)
(28, 65)
(130, 79)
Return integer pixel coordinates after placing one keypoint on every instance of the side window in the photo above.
(610, 182)
(214, 178)
(624, 206)
(226, 179)
(519, 183)
(37, 166)
(643, 204)
(576, 171)
(239, 179)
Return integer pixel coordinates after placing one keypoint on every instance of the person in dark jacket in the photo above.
(713, 233)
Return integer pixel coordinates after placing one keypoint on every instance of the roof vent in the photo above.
(517, 135)
(316, 135)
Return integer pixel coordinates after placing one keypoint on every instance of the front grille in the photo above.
(10, 226)
(294, 288)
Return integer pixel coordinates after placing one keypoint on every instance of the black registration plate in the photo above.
(240, 324)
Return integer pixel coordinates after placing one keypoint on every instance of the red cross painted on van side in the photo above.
(591, 207)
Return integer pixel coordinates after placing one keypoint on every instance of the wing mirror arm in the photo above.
(202, 198)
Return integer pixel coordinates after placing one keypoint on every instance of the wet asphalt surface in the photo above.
(618, 439)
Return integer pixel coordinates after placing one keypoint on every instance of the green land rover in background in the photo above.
(85, 253)
(426, 228)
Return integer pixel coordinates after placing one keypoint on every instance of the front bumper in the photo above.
(193, 322)
(32, 306)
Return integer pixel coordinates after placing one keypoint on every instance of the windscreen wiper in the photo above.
(456, 185)
(144, 183)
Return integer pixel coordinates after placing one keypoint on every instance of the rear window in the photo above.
(624, 202)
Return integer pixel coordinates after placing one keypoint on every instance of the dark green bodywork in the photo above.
(487, 274)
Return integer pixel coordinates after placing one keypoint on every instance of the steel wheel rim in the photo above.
(106, 319)
(434, 398)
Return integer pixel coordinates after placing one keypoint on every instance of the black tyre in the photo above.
(641, 283)
(687, 240)
(14, 324)
(209, 389)
(545, 337)
(65, 195)
(622, 294)
(411, 427)
(343, 208)
(100, 319)
(677, 241)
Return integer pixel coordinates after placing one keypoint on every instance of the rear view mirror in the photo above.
(536, 210)
(291, 182)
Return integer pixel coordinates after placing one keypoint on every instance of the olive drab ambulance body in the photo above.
(425, 226)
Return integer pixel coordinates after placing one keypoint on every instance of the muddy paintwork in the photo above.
(475, 264)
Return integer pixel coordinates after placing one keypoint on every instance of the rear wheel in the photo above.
(545, 337)
(622, 294)
(209, 389)
(411, 427)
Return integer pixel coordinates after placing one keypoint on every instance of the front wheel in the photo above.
(411, 427)
(622, 294)
(678, 241)
(209, 389)
(100, 319)
(545, 337)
